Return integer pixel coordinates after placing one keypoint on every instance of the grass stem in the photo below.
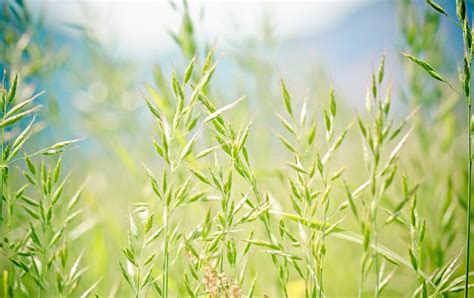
(469, 190)
(166, 254)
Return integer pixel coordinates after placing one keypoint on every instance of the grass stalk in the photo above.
(461, 9)
(321, 289)
(468, 215)
(2, 172)
(2, 178)
(375, 232)
(166, 253)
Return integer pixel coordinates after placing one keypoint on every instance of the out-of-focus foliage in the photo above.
(26, 48)
(438, 132)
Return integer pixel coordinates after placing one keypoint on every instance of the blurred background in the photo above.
(95, 60)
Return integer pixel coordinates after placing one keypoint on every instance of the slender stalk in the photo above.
(138, 290)
(166, 254)
(468, 228)
(376, 258)
(2, 140)
(322, 257)
(466, 84)
(374, 207)
(308, 255)
(5, 283)
(3, 228)
(361, 283)
(326, 206)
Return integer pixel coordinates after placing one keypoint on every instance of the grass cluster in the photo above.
(342, 197)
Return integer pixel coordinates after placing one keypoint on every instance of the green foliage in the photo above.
(35, 217)
(465, 85)
(370, 200)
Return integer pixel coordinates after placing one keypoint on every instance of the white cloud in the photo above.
(139, 28)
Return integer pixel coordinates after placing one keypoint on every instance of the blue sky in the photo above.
(343, 39)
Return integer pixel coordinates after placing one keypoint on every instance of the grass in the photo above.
(465, 85)
(311, 184)
(340, 202)
(37, 215)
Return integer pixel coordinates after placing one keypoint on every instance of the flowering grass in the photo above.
(362, 203)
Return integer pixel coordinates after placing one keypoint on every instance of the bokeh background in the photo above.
(95, 59)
